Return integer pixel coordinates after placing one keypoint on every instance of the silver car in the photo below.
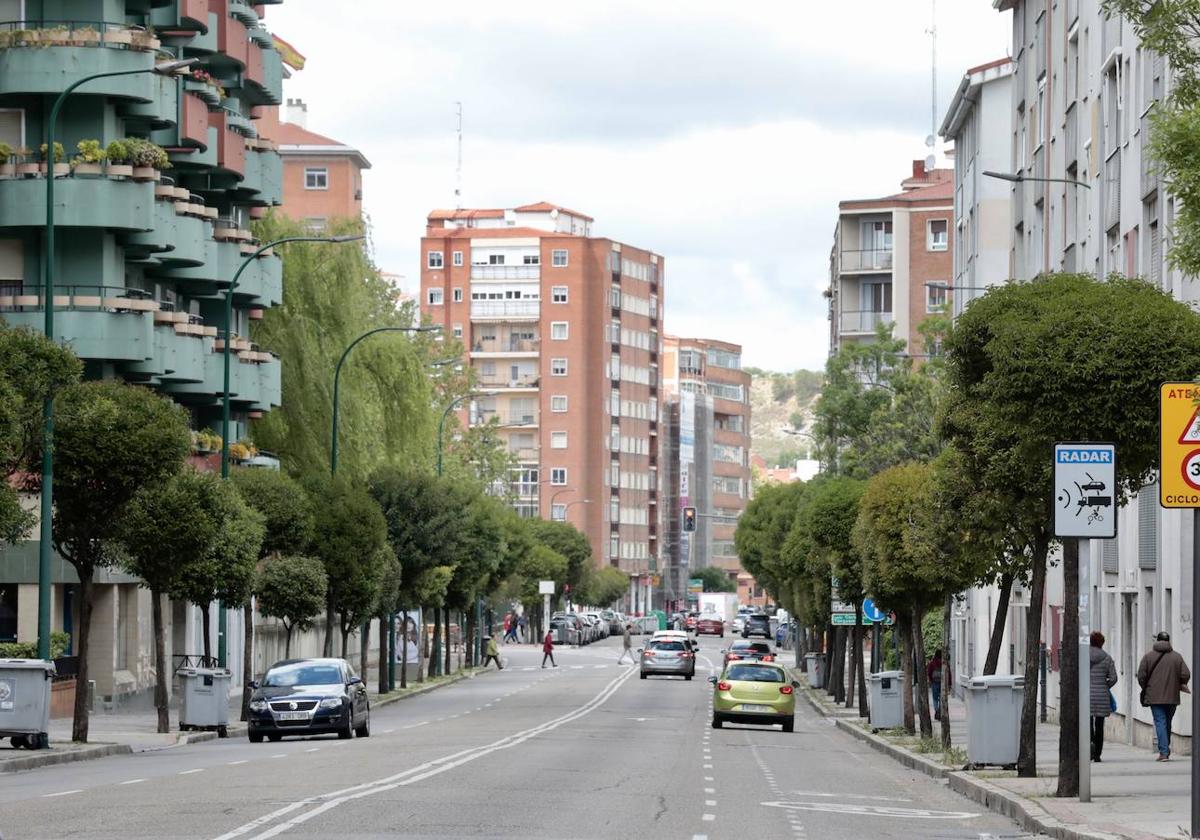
(668, 656)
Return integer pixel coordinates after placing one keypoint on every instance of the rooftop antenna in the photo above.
(458, 171)
(931, 140)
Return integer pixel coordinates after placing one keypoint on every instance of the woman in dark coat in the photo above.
(1103, 677)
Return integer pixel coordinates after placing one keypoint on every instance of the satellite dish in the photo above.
(929, 141)
(929, 162)
(554, 213)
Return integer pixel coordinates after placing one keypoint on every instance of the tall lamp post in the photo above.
(46, 529)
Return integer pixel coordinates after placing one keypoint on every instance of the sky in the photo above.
(719, 135)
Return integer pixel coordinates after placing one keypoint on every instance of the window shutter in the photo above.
(1110, 558)
(1147, 503)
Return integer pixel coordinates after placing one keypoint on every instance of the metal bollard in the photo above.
(1045, 678)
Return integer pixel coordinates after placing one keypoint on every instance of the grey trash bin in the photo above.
(994, 719)
(25, 701)
(204, 699)
(887, 699)
(816, 669)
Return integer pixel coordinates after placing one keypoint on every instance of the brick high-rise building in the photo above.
(562, 329)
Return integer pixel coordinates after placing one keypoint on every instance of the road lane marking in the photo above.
(328, 801)
(415, 725)
(848, 796)
(710, 790)
(708, 817)
(708, 778)
(708, 767)
(279, 755)
(193, 770)
(873, 810)
(132, 781)
(387, 732)
(313, 749)
(240, 761)
(61, 793)
(712, 803)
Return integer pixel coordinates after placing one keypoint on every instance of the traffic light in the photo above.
(689, 519)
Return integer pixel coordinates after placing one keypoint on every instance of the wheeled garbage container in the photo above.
(204, 699)
(887, 699)
(25, 701)
(994, 719)
(816, 669)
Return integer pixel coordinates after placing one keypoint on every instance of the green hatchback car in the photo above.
(754, 692)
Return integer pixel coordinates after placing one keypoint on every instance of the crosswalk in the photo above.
(575, 667)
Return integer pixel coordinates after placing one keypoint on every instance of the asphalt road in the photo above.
(585, 750)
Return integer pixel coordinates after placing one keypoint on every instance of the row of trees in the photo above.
(937, 475)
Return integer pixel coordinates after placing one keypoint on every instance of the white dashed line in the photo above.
(240, 761)
(279, 755)
(708, 767)
(708, 817)
(708, 778)
(710, 790)
(190, 772)
(414, 725)
(61, 793)
(313, 749)
(132, 781)
(712, 803)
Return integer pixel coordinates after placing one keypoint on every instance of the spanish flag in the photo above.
(290, 55)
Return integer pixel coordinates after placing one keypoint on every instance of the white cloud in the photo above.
(721, 136)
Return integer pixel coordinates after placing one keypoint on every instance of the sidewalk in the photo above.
(1134, 797)
(135, 731)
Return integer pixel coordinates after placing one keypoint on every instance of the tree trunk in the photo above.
(345, 641)
(247, 654)
(287, 641)
(863, 708)
(903, 628)
(855, 653)
(160, 663)
(327, 649)
(997, 637)
(469, 637)
(437, 635)
(1027, 758)
(386, 654)
(205, 630)
(421, 641)
(363, 644)
(79, 725)
(918, 633)
(947, 670)
(839, 653)
(447, 646)
(830, 658)
(1068, 676)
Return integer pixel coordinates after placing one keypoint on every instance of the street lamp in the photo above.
(572, 504)
(1017, 178)
(442, 423)
(46, 530)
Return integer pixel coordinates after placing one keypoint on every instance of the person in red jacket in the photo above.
(934, 672)
(548, 650)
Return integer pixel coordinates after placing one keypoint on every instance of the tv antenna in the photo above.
(931, 140)
(458, 170)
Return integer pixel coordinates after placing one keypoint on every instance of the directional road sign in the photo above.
(1179, 445)
(1085, 478)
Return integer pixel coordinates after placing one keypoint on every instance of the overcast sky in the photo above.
(720, 135)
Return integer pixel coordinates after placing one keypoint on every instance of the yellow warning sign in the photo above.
(1179, 444)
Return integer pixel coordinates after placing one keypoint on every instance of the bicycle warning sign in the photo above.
(1179, 445)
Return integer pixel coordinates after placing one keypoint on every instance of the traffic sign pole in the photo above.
(1085, 680)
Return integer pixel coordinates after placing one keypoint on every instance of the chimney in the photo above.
(918, 165)
(296, 113)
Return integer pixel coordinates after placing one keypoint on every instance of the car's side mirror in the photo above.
(712, 680)
(795, 684)
(355, 681)
(252, 684)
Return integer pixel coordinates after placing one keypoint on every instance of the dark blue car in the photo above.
(309, 697)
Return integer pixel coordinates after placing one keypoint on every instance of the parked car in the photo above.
(690, 620)
(600, 623)
(711, 625)
(668, 656)
(757, 624)
(615, 627)
(754, 692)
(749, 650)
(308, 697)
(565, 630)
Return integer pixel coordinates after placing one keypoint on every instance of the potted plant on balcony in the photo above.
(7, 168)
(25, 167)
(90, 159)
(143, 39)
(206, 440)
(118, 159)
(84, 36)
(243, 450)
(60, 169)
(56, 36)
(148, 159)
(117, 34)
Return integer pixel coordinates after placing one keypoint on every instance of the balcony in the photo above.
(508, 419)
(863, 321)
(1112, 190)
(524, 382)
(524, 453)
(264, 175)
(1149, 176)
(506, 272)
(1071, 135)
(182, 231)
(1037, 170)
(874, 259)
(104, 323)
(97, 202)
(505, 310)
(45, 56)
(505, 346)
(181, 344)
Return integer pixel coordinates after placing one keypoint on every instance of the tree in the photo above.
(567, 540)
(481, 555)
(1015, 363)
(714, 579)
(601, 587)
(110, 440)
(165, 529)
(292, 589)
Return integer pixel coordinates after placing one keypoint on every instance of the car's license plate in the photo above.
(292, 715)
(754, 707)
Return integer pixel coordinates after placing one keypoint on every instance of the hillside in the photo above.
(781, 403)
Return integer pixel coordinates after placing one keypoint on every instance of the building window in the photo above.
(558, 512)
(936, 296)
(458, 331)
(558, 294)
(558, 403)
(558, 440)
(937, 237)
(316, 178)
(614, 546)
(458, 258)
(435, 297)
(531, 259)
(458, 295)
(558, 476)
(316, 224)
(558, 367)
(495, 259)
(8, 612)
(558, 257)
(558, 330)
(434, 259)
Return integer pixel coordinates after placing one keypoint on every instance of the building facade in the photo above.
(143, 255)
(707, 462)
(891, 263)
(562, 333)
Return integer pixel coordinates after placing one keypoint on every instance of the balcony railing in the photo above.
(1071, 134)
(506, 345)
(508, 418)
(529, 380)
(524, 453)
(505, 308)
(863, 320)
(95, 298)
(44, 32)
(506, 272)
(873, 259)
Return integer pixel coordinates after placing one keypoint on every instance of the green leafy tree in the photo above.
(110, 440)
(1015, 361)
(715, 580)
(292, 589)
(481, 556)
(567, 540)
(601, 587)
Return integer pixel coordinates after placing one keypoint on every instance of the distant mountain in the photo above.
(781, 404)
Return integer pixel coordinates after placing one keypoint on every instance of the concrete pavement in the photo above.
(584, 750)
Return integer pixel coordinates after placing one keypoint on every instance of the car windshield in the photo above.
(667, 646)
(302, 673)
(754, 673)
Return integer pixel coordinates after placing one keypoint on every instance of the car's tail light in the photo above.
(685, 655)
(768, 658)
(785, 689)
(723, 686)
(648, 653)
(732, 657)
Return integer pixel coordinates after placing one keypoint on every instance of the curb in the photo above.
(47, 759)
(417, 692)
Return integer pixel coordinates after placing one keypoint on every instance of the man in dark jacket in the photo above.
(1162, 674)
(1103, 676)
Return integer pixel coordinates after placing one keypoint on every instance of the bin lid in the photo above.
(44, 665)
(886, 675)
(997, 681)
(204, 672)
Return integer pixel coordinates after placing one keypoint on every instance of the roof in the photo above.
(546, 207)
(493, 233)
(295, 139)
(939, 190)
(450, 215)
(968, 93)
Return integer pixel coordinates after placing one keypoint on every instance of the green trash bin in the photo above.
(662, 618)
(25, 701)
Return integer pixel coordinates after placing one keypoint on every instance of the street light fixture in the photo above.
(442, 423)
(46, 528)
(1018, 178)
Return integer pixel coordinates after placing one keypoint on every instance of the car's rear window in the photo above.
(667, 646)
(757, 647)
(754, 673)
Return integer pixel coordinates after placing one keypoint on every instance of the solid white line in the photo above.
(279, 755)
(387, 732)
(193, 770)
(61, 793)
(708, 817)
(132, 781)
(242, 761)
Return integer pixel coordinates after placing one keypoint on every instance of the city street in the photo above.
(586, 750)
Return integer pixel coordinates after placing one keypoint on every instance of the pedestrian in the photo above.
(934, 671)
(510, 628)
(1162, 674)
(627, 646)
(493, 653)
(1103, 675)
(522, 625)
(548, 650)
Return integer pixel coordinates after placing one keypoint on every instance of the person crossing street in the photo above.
(493, 653)
(627, 646)
(548, 650)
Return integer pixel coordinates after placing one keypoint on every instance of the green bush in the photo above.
(28, 650)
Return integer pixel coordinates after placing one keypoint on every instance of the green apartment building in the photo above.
(143, 252)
